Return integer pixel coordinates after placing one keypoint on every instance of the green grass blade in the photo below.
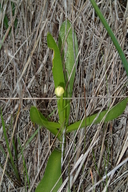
(4, 153)
(29, 140)
(9, 150)
(2, 150)
(115, 112)
(6, 21)
(115, 42)
(10, 176)
(52, 174)
(13, 8)
(24, 164)
(2, 41)
(5, 17)
(15, 150)
(38, 118)
(13, 13)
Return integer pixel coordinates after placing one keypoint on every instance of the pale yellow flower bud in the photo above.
(59, 91)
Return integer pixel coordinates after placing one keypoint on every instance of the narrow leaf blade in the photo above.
(115, 112)
(57, 68)
(115, 42)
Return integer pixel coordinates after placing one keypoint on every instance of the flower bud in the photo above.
(59, 91)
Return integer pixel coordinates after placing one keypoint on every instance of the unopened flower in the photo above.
(59, 91)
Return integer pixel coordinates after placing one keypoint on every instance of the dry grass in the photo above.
(25, 72)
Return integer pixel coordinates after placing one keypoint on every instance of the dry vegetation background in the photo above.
(26, 72)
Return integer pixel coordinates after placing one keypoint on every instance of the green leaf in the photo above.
(58, 75)
(38, 118)
(57, 68)
(115, 112)
(52, 174)
(69, 49)
(115, 42)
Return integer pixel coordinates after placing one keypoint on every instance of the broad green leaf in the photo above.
(115, 112)
(38, 118)
(57, 68)
(69, 50)
(52, 174)
(115, 42)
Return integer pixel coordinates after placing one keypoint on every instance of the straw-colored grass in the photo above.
(26, 80)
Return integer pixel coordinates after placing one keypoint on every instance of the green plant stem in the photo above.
(61, 111)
